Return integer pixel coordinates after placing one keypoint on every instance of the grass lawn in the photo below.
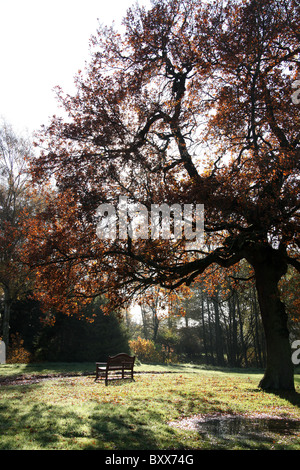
(75, 413)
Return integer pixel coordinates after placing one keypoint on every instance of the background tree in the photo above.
(157, 305)
(16, 204)
(192, 104)
(92, 336)
(235, 321)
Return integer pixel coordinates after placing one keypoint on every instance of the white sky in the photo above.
(43, 43)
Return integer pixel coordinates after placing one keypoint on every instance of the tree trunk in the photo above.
(144, 321)
(233, 353)
(211, 348)
(218, 331)
(258, 339)
(6, 318)
(204, 330)
(243, 343)
(155, 324)
(270, 266)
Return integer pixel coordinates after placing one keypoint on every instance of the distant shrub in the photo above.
(17, 354)
(145, 350)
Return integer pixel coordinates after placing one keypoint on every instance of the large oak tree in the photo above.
(189, 103)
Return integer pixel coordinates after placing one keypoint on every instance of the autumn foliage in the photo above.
(17, 353)
(145, 350)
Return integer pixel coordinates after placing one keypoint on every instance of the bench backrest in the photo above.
(119, 359)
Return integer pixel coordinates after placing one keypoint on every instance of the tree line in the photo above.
(219, 328)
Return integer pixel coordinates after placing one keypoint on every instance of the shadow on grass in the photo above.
(292, 397)
(103, 426)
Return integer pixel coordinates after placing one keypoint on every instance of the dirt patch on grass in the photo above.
(239, 425)
(26, 379)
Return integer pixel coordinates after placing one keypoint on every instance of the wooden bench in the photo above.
(116, 367)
